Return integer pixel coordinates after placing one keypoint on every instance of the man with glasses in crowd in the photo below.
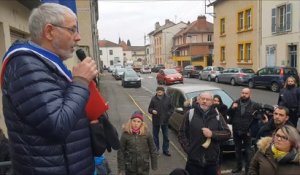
(43, 102)
(200, 134)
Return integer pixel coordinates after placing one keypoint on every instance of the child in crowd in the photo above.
(137, 147)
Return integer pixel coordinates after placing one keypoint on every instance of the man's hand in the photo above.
(86, 69)
(207, 132)
(234, 105)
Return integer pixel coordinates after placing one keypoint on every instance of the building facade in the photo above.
(281, 33)
(110, 53)
(237, 33)
(193, 45)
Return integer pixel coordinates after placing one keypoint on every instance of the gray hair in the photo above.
(47, 13)
(206, 92)
(292, 135)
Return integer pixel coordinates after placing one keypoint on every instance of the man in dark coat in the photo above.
(241, 116)
(161, 109)
(4, 152)
(43, 102)
(200, 135)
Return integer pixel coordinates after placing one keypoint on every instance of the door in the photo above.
(271, 55)
(293, 55)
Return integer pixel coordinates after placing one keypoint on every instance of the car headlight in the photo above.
(172, 78)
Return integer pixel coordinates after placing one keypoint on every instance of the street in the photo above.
(123, 101)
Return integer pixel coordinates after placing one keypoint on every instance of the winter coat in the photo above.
(164, 110)
(135, 153)
(268, 129)
(191, 137)
(263, 162)
(241, 123)
(4, 153)
(290, 98)
(45, 116)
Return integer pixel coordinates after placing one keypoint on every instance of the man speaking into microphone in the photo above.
(43, 102)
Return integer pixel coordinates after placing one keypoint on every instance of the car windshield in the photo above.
(170, 71)
(227, 100)
(131, 74)
(247, 71)
(218, 68)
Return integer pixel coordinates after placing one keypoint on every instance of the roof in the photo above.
(106, 43)
(186, 88)
(198, 26)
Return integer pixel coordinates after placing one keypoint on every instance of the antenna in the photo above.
(209, 13)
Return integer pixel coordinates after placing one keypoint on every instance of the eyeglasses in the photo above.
(73, 30)
(283, 138)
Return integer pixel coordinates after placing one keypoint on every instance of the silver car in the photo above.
(235, 76)
(210, 72)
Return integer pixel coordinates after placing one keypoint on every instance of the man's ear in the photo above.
(48, 32)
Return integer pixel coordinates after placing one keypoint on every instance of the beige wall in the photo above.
(229, 9)
(280, 41)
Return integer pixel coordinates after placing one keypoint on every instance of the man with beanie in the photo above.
(241, 116)
(161, 109)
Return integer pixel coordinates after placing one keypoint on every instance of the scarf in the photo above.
(278, 155)
(30, 47)
(135, 131)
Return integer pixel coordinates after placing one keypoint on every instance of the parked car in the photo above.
(168, 76)
(180, 93)
(273, 77)
(156, 68)
(145, 69)
(131, 79)
(235, 76)
(119, 73)
(210, 72)
(191, 71)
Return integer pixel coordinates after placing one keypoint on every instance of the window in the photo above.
(241, 21)
(281, 18)
(209, 38)
(248, 52)
(222, 26)
(222, 54)
(244, 53)
(100, 52)
(110, 52)
(244, 21)
(248, 19)
(241, 53)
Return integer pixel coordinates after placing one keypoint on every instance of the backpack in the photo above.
(191, 114)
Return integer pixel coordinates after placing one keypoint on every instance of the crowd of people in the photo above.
(44, 109)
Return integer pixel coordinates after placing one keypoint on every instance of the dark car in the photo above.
(119, 73)
(180, 93)
(235, 76)
(273, 77)
(191, 71)
(168, 76)
(156, 68)
(131, 79)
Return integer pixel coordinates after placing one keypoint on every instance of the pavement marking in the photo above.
(149, 117)
(175, 147)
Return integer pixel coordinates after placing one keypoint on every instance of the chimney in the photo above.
(167, 21)
(202, 17)
(157, 25)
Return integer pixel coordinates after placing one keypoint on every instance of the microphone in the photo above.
(80, 54)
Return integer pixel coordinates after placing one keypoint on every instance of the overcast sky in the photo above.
(133, 19)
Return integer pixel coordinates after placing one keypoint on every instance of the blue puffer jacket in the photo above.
(45, 117)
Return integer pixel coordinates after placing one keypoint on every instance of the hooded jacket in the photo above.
(263, 162)
(45, 116)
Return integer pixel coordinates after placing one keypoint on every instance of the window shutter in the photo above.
(288, 17)
(273, 20)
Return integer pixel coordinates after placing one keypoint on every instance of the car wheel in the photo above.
(274, 87)
(232, 82)
(208, 78)
(251, 84)
(217, 80)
